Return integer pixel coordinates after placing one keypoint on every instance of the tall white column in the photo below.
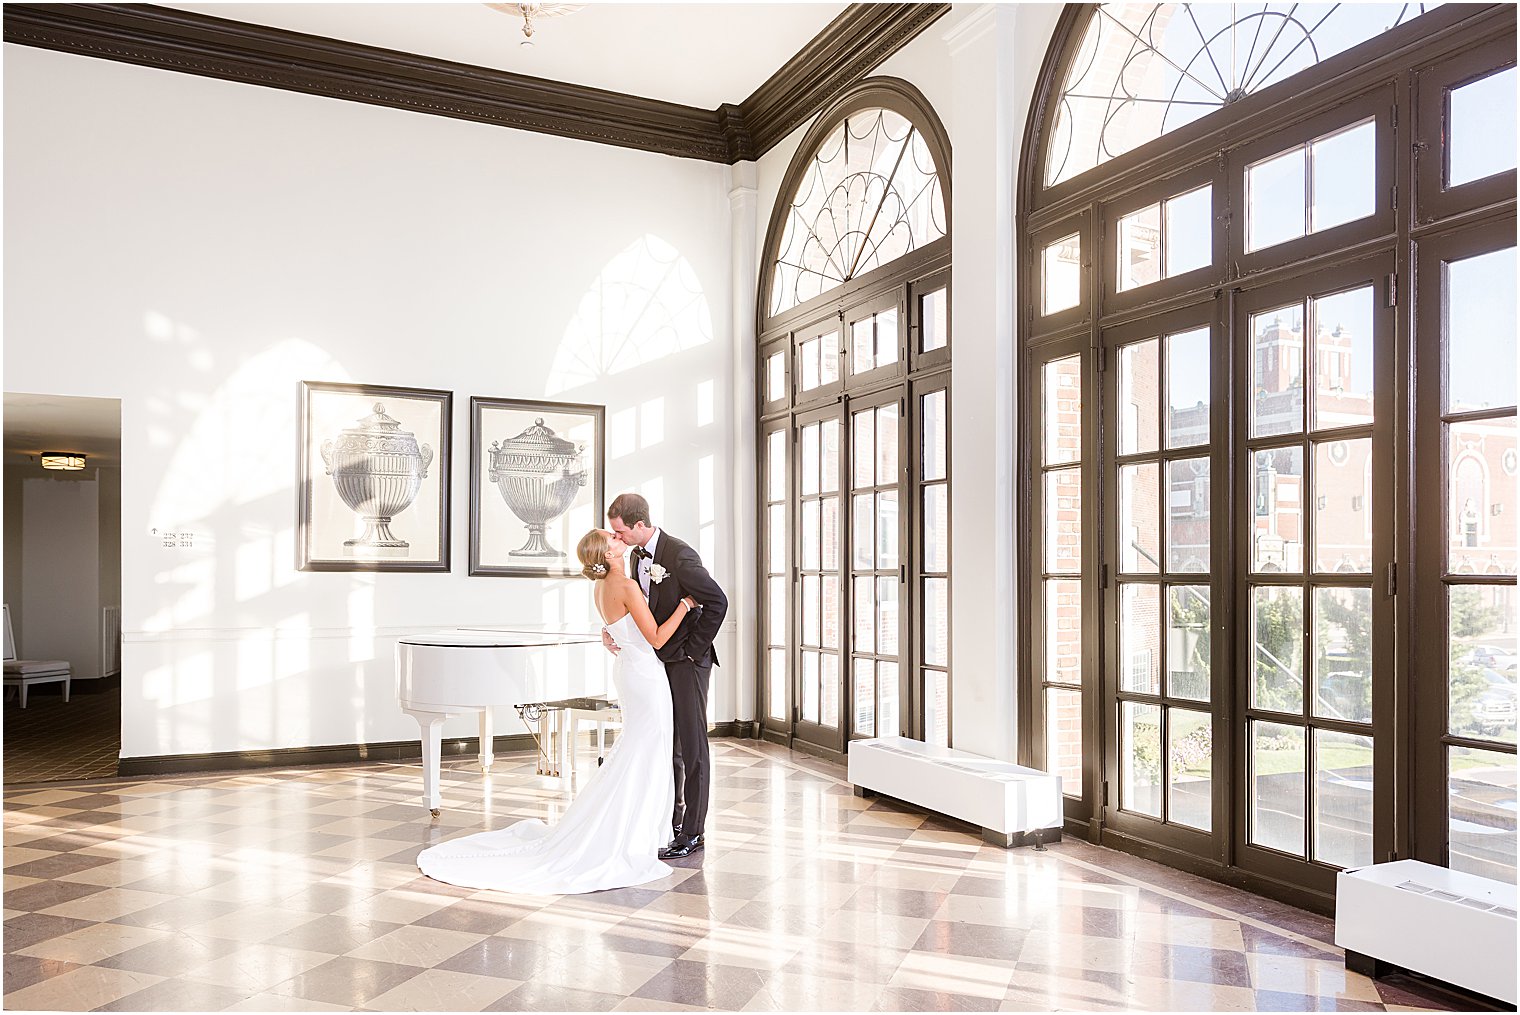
(742, 603)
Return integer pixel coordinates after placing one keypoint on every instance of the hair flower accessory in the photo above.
(599, 568)
(657, 573)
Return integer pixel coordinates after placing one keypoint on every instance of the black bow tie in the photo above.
(639, 553)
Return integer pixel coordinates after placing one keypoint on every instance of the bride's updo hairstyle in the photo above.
(592, 552)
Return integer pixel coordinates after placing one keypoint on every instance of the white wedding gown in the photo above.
(610, 834)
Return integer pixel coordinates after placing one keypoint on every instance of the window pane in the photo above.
(775, 381)
(776, 488)
(777, 610)
(1343, 506)
(830, 534)
(776, 675)
(828, 357)
(1481, 127)
(810, 687)
(887, 619)
(1063, 274)
(865, 531)
(863, 344)
(1481, 497)
(1063, 738)
(1190, 231)
(1140, 638)
(1277, 786)
(1278, 371)
(886, 709)
(1063, 411)
(864, 695)
(865, 614)
(810, 535)
(1140, 248)
(830, 611)
(1479, 331)
(1342, 798)
(933, 462)
(1139, 397)
(777, 537)
(1482, 671)
(886, 337)
(1343, 654)
(865, 448)
(1063, 521)
(1188, 643)
(1344, 176)
(1140, 758)
(1139, 518)
(937, 621)
(812, 610)
(1481, 813)
(933, 321)
(1187, 516)
(1187, 388)
(1190, 757)
(886, 529)
(936, 529)
(1341, 359)
(886, 445)
(936, 708)
(830, 691)
(810, 459)
(1277, 484)
(807, 361)
(829, 481)
(1275, 200)
(1277, 617)
(1063, 631)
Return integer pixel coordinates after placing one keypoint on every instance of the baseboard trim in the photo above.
(351, 754)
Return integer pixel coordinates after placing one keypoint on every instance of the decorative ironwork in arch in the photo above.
(870, 193)
(1144, 70)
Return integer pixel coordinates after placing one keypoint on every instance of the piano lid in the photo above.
(499, 637)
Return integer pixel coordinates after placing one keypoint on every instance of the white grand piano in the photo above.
(449, 673)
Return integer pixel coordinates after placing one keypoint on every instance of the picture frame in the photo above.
(374, 478)
(537, 484)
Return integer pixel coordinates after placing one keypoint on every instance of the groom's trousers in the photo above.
(693, 768)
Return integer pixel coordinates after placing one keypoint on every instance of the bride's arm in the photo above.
(633, 598)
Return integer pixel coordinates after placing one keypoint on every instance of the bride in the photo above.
(609, 835)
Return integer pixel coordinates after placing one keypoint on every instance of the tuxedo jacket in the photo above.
(685, 576)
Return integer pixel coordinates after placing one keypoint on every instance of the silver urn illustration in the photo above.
(378, 470)
(539, 475)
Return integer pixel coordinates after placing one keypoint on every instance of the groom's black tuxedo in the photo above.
(689, 658)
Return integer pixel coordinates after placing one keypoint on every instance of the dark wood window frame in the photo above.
(1400, 79)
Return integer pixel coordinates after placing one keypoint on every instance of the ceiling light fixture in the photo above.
(69, 461)
(528, 12)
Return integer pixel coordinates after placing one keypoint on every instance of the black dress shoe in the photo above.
(681, 846)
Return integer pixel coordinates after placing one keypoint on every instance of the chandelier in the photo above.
(529, 12)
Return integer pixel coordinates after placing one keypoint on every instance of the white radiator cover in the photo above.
(997, 795)
(1453, 926)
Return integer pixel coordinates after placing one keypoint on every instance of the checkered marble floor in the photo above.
(296, 890)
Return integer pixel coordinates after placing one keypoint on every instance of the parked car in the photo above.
(1495, 659)
(1495, 708)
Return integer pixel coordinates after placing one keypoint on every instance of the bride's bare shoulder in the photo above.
(612, 598)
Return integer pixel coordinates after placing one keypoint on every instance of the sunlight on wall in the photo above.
(705, 403)
(622, 433)
(651, 422)
(645, 305)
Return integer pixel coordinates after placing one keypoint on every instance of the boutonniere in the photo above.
(657, 573)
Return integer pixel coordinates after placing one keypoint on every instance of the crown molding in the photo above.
(185, 42)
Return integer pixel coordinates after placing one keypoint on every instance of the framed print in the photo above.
(536, 485)
(374, 482)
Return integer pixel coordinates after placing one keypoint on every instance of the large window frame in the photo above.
(890, 295)
(1397, 82)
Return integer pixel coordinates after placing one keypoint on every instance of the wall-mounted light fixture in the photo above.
(66, 460)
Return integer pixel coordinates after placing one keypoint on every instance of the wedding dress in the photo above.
(609, 835)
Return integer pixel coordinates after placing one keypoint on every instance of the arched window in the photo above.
(854, 393)
(1226, 212)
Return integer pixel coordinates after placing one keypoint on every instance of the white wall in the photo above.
(197, 247)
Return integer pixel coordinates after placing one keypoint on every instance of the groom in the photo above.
(667, 569)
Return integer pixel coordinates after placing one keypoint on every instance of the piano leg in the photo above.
(431, 724)
(487, 740)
